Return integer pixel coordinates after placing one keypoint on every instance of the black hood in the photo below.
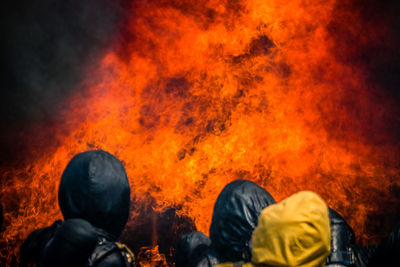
(191, 248)
(235, 217)
(94, 187)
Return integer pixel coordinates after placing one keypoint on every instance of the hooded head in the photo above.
(94, 187)
(235, 217)
(190, 248)
(295, 232)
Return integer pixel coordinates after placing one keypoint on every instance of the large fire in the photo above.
(193, 95)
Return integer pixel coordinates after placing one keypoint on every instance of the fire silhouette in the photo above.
(192, 95)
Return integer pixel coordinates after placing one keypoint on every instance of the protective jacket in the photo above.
(234, 219)
(342, 241)
(344, 250)
(295, 232)
(94, 196)
(387, 252)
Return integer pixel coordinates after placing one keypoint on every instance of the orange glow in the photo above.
(194, 95)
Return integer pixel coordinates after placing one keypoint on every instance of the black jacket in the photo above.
(387, 252)
(344, 250)
(234, 218)
(94, 196)
(342, 239)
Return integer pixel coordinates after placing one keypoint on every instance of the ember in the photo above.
(193, 95)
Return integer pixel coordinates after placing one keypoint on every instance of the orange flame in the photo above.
(150, 257)
(195, 95)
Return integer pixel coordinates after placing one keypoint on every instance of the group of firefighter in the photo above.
(248, 227)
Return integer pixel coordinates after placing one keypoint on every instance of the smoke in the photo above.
(369, 43)
(374, 42)
(46, 46)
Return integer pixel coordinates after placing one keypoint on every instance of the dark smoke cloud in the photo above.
(367, 38)
(46, 46)
(374, 43)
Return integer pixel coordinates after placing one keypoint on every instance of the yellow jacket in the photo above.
(295, 232)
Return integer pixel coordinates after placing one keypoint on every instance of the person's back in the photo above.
(295, 232)
(94, 197)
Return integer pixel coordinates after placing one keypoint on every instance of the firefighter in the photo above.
(387, 252)
(234, 219)
(342, 239)
(344, 250)
(94, 197)
(191, 247)
(295, 232)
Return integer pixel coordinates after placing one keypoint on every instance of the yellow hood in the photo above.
(295, 232)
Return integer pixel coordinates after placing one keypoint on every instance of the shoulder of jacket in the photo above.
(34, 244)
